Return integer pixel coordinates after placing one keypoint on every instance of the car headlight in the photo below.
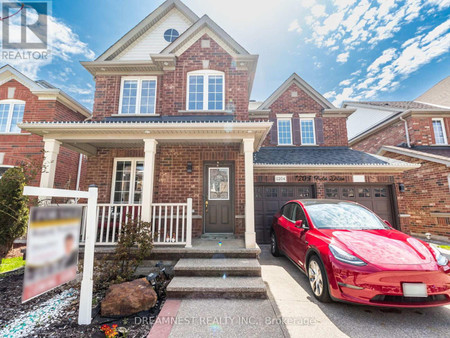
(345, 257)
(440, 258)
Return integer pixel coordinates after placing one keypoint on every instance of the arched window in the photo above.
(205, 90)
(11, 114)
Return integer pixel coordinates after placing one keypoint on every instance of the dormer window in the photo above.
(11, 114)
(205, 90)
(138, 95)
(440, 136)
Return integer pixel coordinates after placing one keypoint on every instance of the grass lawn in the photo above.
(9, 264)
(446, 247)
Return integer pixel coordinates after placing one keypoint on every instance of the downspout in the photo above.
(80, 162)
(408, 143)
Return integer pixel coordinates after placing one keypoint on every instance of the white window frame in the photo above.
(278, 131)
(12, 103)
(314, 131)
(5, 166)
(205, 73)
(139, 80)
(444, 132)
(133, 161)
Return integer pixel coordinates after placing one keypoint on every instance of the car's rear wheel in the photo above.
(318, 280)
(274, 245)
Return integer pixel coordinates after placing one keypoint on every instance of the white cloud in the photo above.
(295, 26)
(345, 82)
(330, 94)
(387, 71)
(343, 57)
(441, 4)
(318, 11)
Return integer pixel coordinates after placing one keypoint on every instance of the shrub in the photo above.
(13, 208)
(134, 245)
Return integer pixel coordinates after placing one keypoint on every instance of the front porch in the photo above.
(187, 179)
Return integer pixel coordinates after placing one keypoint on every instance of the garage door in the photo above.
(376, 198)
(269, 199)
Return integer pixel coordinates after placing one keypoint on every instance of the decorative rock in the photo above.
(128, 298)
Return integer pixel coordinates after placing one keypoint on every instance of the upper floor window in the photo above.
(307, 131)
(205, 90)
(284, 132)
(11, 114)
(138, 95)
(440, 136)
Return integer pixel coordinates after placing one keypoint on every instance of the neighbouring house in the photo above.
(21, 98)
(172, 128)
(415, 132)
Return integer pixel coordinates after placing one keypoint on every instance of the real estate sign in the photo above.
(52, 248)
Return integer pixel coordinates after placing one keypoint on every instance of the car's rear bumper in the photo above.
(385, 288)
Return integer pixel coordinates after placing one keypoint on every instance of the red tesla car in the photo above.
(349, 254)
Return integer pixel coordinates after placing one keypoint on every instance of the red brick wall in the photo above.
(29, 148)
(171, 93)
(420, 133)
(172, 183)
(334, 129)
(427, 191)
(392, 135)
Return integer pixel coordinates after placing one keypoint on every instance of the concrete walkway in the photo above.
(195, 318)
(292, 297)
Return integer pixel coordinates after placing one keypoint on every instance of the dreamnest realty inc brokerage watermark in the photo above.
(25, 30)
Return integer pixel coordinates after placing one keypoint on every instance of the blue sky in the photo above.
(346, 49)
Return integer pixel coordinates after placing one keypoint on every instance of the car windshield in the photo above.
(343, 216)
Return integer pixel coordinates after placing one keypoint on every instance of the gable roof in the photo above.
(42, 89)
(390, 105)
(205, 21)
(438, 95)
(302, 84)
(416, 154)
(143, 26)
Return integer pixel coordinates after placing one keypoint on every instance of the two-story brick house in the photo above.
(24, 99)
(415, 132)
(171, 122)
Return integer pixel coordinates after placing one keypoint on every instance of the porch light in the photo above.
(401, 187)
(189, 167)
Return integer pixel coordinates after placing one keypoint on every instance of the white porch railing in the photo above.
(171, 222)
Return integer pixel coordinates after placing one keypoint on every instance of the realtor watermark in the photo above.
(226, 320)
(25, 30)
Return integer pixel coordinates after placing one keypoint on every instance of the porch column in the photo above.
(51, 148)
(250, 235)
(148, 180)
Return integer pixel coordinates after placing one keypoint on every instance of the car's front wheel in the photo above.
(274, 245)
(318, 280)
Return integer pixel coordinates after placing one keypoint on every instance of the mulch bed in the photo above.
(64, 322)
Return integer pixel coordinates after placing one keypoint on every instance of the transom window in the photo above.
(205, 90)
(284, 132)
(11, 114)
(138, 95)
(127, 181)
(307, 132)
(440, 136)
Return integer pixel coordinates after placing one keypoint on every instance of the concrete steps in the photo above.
(217, 278)
(217, 287)
(218, 267)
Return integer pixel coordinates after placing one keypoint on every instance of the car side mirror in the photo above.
(388, 224)
(299, 224)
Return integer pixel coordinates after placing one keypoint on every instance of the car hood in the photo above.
(386, 247)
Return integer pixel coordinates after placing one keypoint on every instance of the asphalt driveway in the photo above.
(304, 316)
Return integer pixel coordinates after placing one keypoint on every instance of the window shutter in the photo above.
(296, 131)
(274, 132)
(318, 122)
